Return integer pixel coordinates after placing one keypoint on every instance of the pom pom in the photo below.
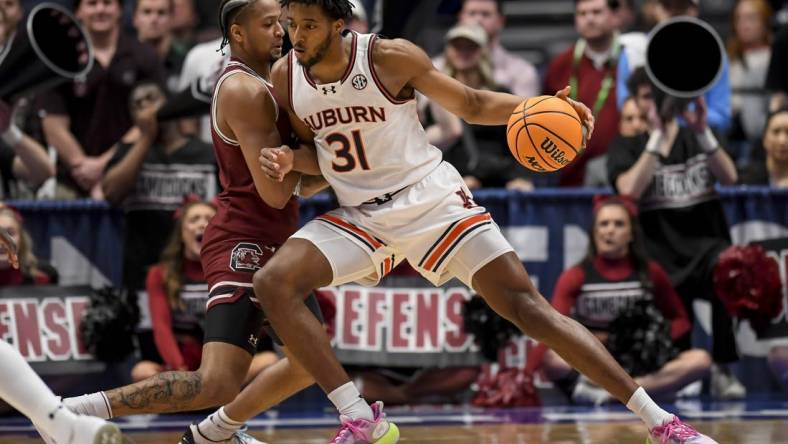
(748, 283)
(108, 326)
(640, 339)
(511, 387)
(489, 330)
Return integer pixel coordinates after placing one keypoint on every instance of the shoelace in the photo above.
(347, 430)
(675, 429)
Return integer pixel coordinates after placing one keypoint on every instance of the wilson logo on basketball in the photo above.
(549, 147)
(533, 164)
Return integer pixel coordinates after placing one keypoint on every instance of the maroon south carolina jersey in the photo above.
(242, 214)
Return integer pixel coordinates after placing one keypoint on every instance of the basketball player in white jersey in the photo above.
(21, 388)
(353, 94)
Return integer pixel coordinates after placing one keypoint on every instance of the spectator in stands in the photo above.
(626, 15)
(769, 166)
(509, 70)
(633, 122)
(22, 158)
(185, 21)
(671, 172)
(150, 177)
(589, 67)
(359, 21)
(203, 65)
(777, 77)
(615, 274)
(632, 41)
(718, 98)
(478, 152)
(5, 28)
(31, 271)
(82, 119)
(749, 52)
(153, 22)
(13, 13)
(177, 294)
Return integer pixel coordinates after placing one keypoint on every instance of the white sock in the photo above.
(349, 402)
(642, 405)
(94, 404)
(25, 391)
(216, 427)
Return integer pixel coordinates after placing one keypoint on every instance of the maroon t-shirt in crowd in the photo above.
(98, 107)
(606, 122)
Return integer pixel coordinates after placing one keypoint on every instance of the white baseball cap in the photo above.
(474, 33)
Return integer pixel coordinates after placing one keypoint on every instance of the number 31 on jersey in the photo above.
(348, 153)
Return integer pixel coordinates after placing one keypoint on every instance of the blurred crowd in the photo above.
(74, 141)
(99, 138)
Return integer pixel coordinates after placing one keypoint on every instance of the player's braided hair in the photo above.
(336, 9)
(229, 10)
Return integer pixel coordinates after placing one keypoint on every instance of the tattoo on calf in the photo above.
(165, 392)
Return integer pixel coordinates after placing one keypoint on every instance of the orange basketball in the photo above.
(544, 133)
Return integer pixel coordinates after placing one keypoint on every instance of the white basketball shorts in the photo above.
(434, 224)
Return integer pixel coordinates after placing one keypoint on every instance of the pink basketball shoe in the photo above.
(676, 432)
(361, 431)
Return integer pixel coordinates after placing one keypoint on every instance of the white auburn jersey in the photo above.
(369, 143)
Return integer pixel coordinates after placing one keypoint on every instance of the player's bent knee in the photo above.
(701, 360)
(218, 388)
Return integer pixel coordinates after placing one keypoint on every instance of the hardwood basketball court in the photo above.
(733, 423)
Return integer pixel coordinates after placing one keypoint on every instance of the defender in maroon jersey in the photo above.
(255, 216)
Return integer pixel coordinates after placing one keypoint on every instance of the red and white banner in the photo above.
(42, 323)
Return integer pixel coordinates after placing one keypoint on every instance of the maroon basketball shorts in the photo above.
(233, 314)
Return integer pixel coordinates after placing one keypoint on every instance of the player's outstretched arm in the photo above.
(409, 62)
(245, 107)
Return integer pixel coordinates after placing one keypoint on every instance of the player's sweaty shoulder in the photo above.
(398, 57)
(243, 93)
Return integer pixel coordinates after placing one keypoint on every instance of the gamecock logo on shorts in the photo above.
(246, 257)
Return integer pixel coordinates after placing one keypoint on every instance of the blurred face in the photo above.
(775, 140)
(612, 232)
(667, 9)
(633, 120)
(184, 17)
(624, 16)
(311, 32)
(194, 222)
(13, 12)
(99, 16)
(9, 223)
(484, 13)
(259, 32)
(152, 19)
(748, 25)
(145, 96)
(463, 54)
(644, 99)
(4, 31)
(594, 20)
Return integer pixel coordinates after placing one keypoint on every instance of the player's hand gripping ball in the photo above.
(545, 133)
